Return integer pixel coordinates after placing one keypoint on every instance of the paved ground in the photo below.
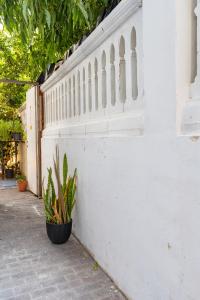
(31, 267)
(7, 183)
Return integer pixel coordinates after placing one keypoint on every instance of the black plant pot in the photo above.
(9, 173)
(59, 233)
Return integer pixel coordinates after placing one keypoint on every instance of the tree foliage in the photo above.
(14, 64)
(35, 34)
(50, 26)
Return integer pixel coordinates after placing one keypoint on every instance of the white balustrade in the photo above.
(102, 80)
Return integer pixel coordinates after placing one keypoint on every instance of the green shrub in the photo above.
(9, 127)
(20, 178)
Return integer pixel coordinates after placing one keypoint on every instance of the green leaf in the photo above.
(48, 18)
(65, 172)
(24, 10)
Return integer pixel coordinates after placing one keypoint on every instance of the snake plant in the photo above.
(58, 206)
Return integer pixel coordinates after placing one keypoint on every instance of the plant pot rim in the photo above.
(59, 224)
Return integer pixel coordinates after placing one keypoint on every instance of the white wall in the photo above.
(138, 201)
(23, 146)
(32, 142)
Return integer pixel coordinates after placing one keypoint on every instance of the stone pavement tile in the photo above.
(26, 287)
(34, 268)
(70, 285)
(84, 297)
(43, 292)
(21, 297)
(68, 295)
(53, 281)
(4, 277)
(23, 274)
(11, 284)
(5, 294)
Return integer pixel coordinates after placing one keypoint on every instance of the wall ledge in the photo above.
(130, 124)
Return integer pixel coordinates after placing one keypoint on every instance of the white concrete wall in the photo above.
(138, 200)
(23, 146)
(32, 140)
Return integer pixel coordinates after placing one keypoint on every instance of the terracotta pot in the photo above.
(22, 185)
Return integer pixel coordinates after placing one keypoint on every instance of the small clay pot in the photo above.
(22, 185)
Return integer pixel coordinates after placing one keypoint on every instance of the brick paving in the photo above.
(31, 267)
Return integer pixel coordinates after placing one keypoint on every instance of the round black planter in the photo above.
(9, 173)
(59, 233)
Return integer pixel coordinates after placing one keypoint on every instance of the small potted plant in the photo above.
(21, 182)
(58, 206)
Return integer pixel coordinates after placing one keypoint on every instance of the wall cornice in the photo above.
(120, 125)
(124, 10)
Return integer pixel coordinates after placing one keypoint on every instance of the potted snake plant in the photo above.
(59, 205)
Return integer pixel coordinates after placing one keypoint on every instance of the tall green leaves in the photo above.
(49, 197)
(65, 173)
(58, 209)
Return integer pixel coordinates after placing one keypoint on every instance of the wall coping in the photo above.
(124, 10)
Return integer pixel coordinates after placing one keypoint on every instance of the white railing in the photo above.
(102, 81)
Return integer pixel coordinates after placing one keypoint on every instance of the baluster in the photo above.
(45, 109)
(66, 100)
(89, 88)
(61, 108)
(56, 104)
(54, 107)
(62, 101)
(104, 80)
(74, 96)
(84, 92)
(122, 71)
(134, 65)
(112, 75)
(79, 93)
(118, 104)
(70, 99)
(59, 103)
(96, 83)
(128, 104)
(51, 107)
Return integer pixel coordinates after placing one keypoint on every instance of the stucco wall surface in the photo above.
(138, 200)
